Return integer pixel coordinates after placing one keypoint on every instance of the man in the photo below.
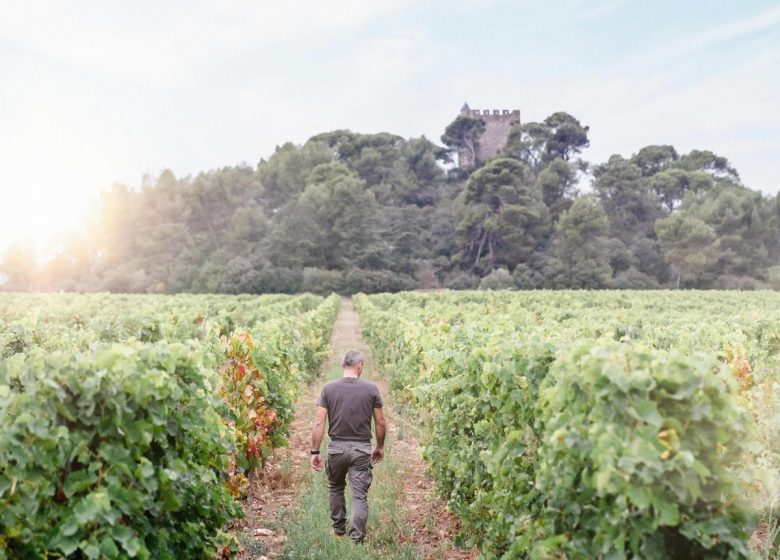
(349, 404)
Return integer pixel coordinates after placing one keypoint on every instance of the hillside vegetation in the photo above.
(351, 212)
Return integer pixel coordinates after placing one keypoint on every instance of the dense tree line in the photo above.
(355, 212)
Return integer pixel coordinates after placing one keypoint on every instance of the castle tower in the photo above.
(498, 122)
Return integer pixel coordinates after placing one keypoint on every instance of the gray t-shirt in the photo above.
(350, 402)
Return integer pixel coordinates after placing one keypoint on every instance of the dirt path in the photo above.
(274, 496)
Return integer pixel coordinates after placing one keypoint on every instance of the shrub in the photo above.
(773, 277)
(499, 279)
(426, 276)
(278, 280)
(323, 282)
(377, 281)
(113, 454)
(461, 280)
(239, 276)
(733, 282)
(527, 278)
(633, 279)
(548, 448)
(637, 457)
(483, 439)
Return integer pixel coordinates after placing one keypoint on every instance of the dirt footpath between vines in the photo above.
(274, 494)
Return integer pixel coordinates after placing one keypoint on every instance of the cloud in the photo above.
(747, 26)
(385, 68)
(706, 38)
(369, 87)
(160, 42)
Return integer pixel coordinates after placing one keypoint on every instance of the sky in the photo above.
(97, 92)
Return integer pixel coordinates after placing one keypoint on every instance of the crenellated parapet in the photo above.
(490, 113)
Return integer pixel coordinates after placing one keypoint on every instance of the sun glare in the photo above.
(41, 220)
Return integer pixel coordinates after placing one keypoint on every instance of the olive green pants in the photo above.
(353, 460)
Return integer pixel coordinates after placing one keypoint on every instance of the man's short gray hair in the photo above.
(352, 359)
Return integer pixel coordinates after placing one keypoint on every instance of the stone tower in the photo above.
(497, 125)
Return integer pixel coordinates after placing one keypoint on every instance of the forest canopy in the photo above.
(351, 212)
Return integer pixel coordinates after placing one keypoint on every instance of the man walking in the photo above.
(349, 404)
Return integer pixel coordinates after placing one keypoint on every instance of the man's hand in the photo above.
(316, 436)
(377, 455)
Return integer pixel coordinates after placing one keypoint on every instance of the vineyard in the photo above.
(130, 423)
(556, 425)
(594, 424)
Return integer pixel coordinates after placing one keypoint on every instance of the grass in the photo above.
(254, 547)
(309, 531)
(310, 534)
(768, 546)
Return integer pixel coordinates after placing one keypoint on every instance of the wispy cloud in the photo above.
(767, 19)
(707, 38)
(161, 41)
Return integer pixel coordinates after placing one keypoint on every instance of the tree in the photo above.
(463, 135)
(503, 219)
(652, 159)
(335, 224)
(239, 276)
(741, 220)
(671, 176)
(20, 268)
(548, 149)
(689, 244)
(713, 164)
(72, 269)
(426, 177)
(406, 229)
(773, 230)
(248, 227)
(670, 185)
(632, 210)
(580, 247)
(528, 143)
(396, 170)
(558, 183)
(649, 259)
(283, 175)
(375, 210)
(537, 144)
(118, 223)
(567, 136)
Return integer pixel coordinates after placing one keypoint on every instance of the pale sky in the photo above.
(94, 92)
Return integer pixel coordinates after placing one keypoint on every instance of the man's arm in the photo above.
(381, 428)
(318, 430)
